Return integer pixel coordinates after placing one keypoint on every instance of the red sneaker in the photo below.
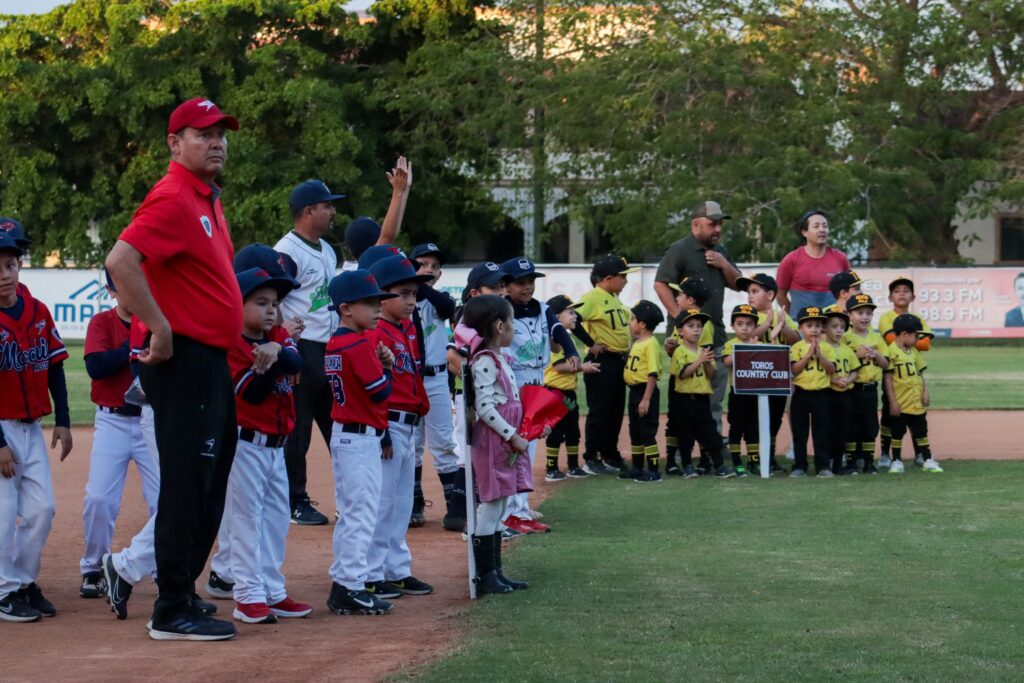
(519, 524)
(254, 613)
(537, 526)
(290, 609)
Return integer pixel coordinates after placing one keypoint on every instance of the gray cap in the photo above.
(712, 210)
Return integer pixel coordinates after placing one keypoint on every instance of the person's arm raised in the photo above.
(124, 263)
(400, 179)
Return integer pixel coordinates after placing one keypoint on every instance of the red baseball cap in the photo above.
(199, 112)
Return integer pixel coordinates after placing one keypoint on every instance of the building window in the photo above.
(1011, 238)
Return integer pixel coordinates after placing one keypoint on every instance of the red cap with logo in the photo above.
(199, 112)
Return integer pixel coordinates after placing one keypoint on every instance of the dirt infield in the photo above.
(85, 643)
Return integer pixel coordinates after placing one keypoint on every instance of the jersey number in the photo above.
(337, 389)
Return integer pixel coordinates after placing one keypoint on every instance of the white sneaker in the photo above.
(896, 467)
(885, 462)
(930, 465)
(791, 454)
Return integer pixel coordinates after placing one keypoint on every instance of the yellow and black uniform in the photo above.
(694, 422)
(841, 407)
(568, 428)
(906, 368)
(707, 338)
(885, 323)
(743, 424)
(643, 361)
(809, 407)
(864, 403)
(605, 318)
(790, 323)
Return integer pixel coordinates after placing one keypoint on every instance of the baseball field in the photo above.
(912, 577)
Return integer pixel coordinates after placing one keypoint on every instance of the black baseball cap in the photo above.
(712, 210)
(261, 256)
(486, 274)
(744, 311)
(396, 270)
(520, 267)
(355, 285)
(255, 278)
(902, 280)
(648, 313)
(843, 280)
(611, 264)
(16, 230)
(378, 252)
(907, 322)
(560, 302)
(763, 279)
(860, 301)
(310, 192)
(693, 287)
(690, 314)
(361, 234)
(836, 311)
(810, 313)
(427, 248)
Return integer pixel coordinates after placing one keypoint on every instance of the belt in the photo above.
(693, 397)
(353, 428)
(866, 385)
(458, 392)
(126, 410)
(403, 418)
(808, 391)
(261, 439)
(27, 420)
(434, 370)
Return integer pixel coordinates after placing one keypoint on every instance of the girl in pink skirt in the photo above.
(501, 467)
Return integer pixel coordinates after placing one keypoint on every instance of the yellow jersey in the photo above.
(813, 376)
(885, 322)
(790, 323)
(846, 362)
(698, 382)
(707, 335)
(606, 319)
(869, 370)
(555, 379)
(727, 350)
(906, 368)
(643, 361)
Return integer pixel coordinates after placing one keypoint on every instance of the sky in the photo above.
(44, 6)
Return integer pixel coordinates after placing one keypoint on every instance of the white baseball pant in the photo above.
(435, 431)
(459, 421)
(28, 495)
(519, 504)
(389, 558)
(355, 460)
(117, 441)
(138, 559)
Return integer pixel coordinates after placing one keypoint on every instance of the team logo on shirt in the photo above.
(12, 357)
(204, 220)
(403, 359)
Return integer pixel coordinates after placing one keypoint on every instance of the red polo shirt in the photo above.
(181, 231)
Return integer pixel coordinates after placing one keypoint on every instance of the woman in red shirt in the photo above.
(804, 273)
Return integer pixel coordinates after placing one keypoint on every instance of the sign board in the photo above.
(761, 369)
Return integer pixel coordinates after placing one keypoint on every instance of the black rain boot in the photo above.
(514, 585)
(455, 519)
(487, 581)
(417, 519)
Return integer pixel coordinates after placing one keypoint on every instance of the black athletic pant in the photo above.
(743, 426)
(567, 429)
(808, 415)
(606, 403)
(840, 414)
(312, 403)
(918, 425)
(194, 418)
(864, 421)
(695, 423)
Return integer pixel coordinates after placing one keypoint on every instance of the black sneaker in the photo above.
(675, 470)
(870, 469)
(93, 586)
(555, 475)
(192, 626)
(690, 472)
(383, 589)
(741, 471)
(344, 601)
(597, 467)
(576, 473)
(649, 477)
(410, 585)
(33, 597)
(118, 590)
(207, 608)
(630, 473)
(723, 472)
(219, 589)
(12, 609)
(305, 513)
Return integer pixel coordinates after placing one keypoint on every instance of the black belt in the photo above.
(261, 439)
(125, 410)
(434, 370)
(693, 397)
(801, 390)
(26, 420)
(403, 418)
(352, 428)
(866, 385)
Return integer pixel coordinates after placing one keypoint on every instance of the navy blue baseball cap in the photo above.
(378, 252)
(520, 267)
(110, 280)
(427, 249)
(310, 192)
(16, 230)
(355, 285)
(486, 274)
(394, 270)
(251, 279)
(8, 243)
(261, 256)
(361, 234)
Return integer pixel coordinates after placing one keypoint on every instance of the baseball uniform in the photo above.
(809, 409)
(643, 362)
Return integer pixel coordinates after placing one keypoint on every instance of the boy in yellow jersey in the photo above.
(693, 367)
(561, 376)
(840, 398)
(606, 322)
(641, 374)
(844, 285)
(901, 294)
(872, 352)
(812, 363)
(743, 423)
(908, 394)
(690, 293)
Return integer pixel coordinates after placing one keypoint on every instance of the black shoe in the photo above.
(674, 470)
(192, 626)
(576, 473)
(410, 585)
(630, 473)
(511, 583)
(206, 608)
(452, 523)
(118, 590)
(219, 589)
(598, 467)
(33, 597)
(305, 513)
(649, 477)
(344, 601)
(723, 472)
(486, 555)
(12, 609)
(93, 586)
(383, 590)
(870, 469)
(690, 472)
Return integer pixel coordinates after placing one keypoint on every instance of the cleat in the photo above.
(93, 586)
(118, 590)
(343, 602)
(218, 588)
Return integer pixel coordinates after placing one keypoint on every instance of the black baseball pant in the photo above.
(312, 404)
(606, 403)
(567, 430)
(743, 426)
(695, 423)
(918, 426)
(840, 413)
(809, 416)
(864, 420)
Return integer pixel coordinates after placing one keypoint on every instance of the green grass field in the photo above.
(894, 578)
(960, 377)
